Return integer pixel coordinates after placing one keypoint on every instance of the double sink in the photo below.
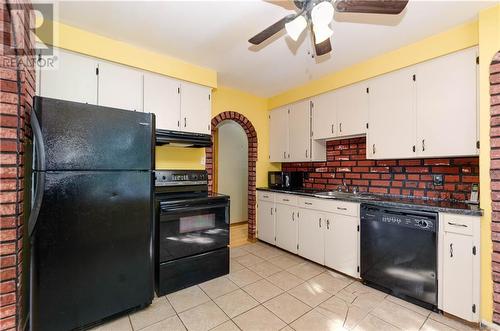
(345, 195)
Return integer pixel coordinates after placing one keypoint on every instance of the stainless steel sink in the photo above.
(340, 195)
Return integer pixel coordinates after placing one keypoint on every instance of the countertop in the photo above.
(444, 206)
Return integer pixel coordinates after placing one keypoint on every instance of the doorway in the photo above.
(230, 124)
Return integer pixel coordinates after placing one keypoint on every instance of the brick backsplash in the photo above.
(346, 162)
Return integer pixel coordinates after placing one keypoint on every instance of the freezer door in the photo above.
(91, 253)
(77, 136)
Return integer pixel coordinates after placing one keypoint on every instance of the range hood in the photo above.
(182, 139)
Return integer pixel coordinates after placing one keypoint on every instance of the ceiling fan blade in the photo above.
(271, 30)
(323, 47)
(392, 7)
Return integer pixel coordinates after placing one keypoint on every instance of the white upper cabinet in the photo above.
(75, 79)
(324, 116)
(195, 108)
(120, 87)
(446, 105)
(299, 126)
(162, 97)
(352, 110)
(278, 135)
(391, 132)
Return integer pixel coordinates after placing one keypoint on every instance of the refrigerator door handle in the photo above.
(37, 201)
(38, 138)
(40, 175)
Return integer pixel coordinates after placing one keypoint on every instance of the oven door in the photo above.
(193, 226)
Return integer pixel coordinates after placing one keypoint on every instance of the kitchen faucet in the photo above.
(343, 187)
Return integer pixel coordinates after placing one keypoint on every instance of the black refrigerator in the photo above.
(91, 219)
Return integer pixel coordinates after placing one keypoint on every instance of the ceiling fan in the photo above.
(317, 14)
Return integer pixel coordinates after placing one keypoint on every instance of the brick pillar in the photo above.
(14, 128)
(252, 159)
(495, 180)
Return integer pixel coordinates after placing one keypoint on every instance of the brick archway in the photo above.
(252, 159)
(495, 179)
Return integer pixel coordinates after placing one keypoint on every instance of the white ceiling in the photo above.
(214, 34)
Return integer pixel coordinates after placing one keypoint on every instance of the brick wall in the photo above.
(495, 180)
(346, 162)
(13, 131)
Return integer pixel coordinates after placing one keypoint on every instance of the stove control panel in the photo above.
(180, 177)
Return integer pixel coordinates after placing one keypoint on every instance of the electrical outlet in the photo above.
(438, 180)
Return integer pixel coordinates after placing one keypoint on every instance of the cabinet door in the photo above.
(447, 105)
(286, 227)
(278, 135)
(265, 221)
(74, 79)
(310, 233)
(120, 87)
(392, 118)
(324, 116)
(299, 131)
(341, 243)
(352, 110)
(196, 108)
(457, 275)
(162, 97)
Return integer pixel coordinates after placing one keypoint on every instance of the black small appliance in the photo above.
(191, 232)
(398, 253)
(285, 180)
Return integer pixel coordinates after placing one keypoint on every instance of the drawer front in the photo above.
(265, 196)
(330, 205)
(459, 223)
(311, 203)
(286, 199)
(346, 208)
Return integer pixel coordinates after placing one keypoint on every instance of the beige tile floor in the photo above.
(269, 289)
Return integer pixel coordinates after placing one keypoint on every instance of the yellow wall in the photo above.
(489, 44)
(77, 40)
(449, 41)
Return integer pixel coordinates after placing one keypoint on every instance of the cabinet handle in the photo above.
(451, 250)
(286, 200)
(457, 224)
(328, 224)
(293, 216)
(373, 148)
(341, 208)
(266, 196)
(284, 155)
(340, 127)
(332, 128)
(308, 203)
(185, 122)
(423, 145)
(271, 211)
(320, 222)
(307, 153)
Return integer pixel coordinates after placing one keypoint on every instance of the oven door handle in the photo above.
(165, 209)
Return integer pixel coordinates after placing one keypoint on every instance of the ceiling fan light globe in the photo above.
(322, 13)
(296, 27)
(321, 33)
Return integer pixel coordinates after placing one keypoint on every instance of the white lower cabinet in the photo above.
(286, 227)
(265, 221)
(342, 244)
(459, 266)
(311, 235)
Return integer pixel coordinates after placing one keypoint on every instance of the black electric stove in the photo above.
(192, 230)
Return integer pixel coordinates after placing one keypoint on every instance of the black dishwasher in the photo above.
(399, 253)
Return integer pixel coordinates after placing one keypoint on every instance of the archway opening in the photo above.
(212, 161)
